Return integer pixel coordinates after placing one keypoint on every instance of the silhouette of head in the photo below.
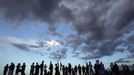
(11, 62)
(89, 62)
(6, 64)
(36, 63)
(97, 60)
(23, 63)
(18, 63)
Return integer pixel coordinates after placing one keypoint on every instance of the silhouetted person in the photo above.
(37, 69)
(116, 69)
(133, 67)
(87, 69)
(60, 66)
(125, 69)
(75, 69)
(112, 68)
(66, 70)
(69, 68)
(45, 69)
(83, 69)
(79, 69)
(32, 69)
(63, 69)
(41, 68)
(102, 68)
(57, 69)
(11, 69)
(17, 69)
(23, 68)
(5, 70)
(51, 68)
(97, 67)
(90, 69)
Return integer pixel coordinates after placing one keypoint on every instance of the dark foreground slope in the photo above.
(129, 73)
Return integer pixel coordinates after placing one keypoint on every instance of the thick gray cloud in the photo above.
(23, 9)
(122, 60)
(100, 25)
(98, 20)
(58, 55)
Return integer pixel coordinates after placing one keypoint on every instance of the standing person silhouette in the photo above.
(66, 70)
(37, 69)
(90, 69)
(61, 66)
(5, 69)
(112, 68)
(69, 68)
(11, 69)
(32, 69)
(63, 69)
(102, 68)
(133, 67)
(75, 69)
(17, 69)
(45, 69)
(116, 69)
(57, 69)
(23, 68)
(125, 69)
(79, 69)
(83, 69)
(51, 68)
(87, 69)
(97, 67)
(41, 68)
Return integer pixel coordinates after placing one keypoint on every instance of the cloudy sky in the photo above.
(73, 31)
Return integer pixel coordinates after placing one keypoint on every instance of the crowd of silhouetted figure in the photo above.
(60, 69)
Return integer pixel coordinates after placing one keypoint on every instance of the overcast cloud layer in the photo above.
(102, 26)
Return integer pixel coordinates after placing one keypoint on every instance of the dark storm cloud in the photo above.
(128, 43)
(102, 19)
(122, 60)
(58, 55)
(53, 32)
(36, 9)
(131, 38)
(16, 12)
(99, 24)
(98, 50)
